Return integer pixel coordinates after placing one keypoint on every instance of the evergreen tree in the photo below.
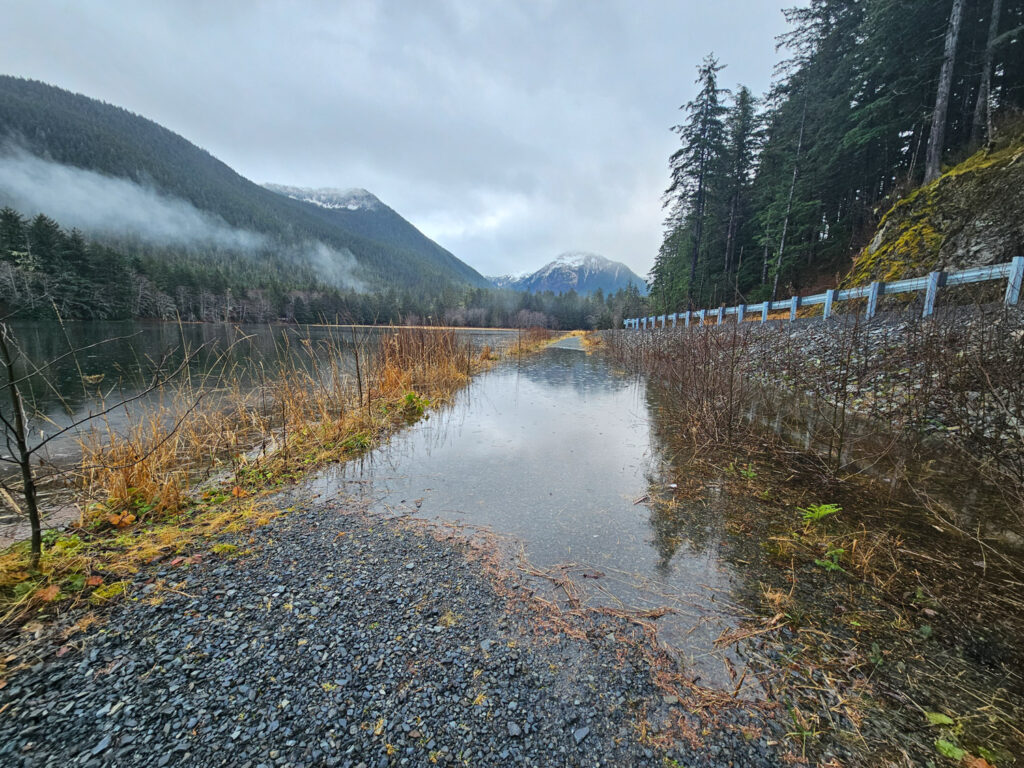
(695, 169)
(13, 241)
(741, 149)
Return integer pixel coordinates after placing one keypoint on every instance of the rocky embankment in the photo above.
(957, 375)
(328, 638)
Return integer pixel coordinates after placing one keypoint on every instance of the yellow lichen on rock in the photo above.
(971, 215)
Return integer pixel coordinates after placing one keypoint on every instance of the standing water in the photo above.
(557, 454)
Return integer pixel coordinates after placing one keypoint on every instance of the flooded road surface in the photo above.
(557, 454)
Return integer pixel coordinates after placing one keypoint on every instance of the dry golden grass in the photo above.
(531, 340)
(590, 340)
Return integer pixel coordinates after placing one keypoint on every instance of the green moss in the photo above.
(911, 234)
(108, 591)
(984, 160)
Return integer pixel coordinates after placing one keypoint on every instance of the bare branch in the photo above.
(155, 384)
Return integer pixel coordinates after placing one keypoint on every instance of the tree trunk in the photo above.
(730, 234)
(789, 204)
(982, 109)
(736, 277)
(698, 231)
(936, 139)
(24, 457)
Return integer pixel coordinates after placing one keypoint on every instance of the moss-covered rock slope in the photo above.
(970, 216)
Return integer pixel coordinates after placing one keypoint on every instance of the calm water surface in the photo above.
(116, 360)
(558, 454)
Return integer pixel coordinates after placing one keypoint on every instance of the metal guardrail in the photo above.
(1012, 272)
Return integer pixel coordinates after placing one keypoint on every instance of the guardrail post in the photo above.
(1013, 283)
(935, 281)
(764, 311)
(702, 316)
(873, 293)
(686, 319)
(721, 315)
(794, 304)
(741, 310)
(830, 297)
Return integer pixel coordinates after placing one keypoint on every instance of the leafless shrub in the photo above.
(879, 396)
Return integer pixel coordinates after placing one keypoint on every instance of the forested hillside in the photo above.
(363, 214)
(46, 271)
(773, 195)
(72, 131)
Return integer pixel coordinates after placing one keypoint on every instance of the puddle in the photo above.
(558, 454)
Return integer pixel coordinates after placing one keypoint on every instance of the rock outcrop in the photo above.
(970, 216)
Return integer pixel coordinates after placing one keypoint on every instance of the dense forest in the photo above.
(46, 271)
(773, 196)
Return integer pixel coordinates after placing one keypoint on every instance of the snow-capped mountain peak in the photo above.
(581, 259)
(575, 271)
(355, 199)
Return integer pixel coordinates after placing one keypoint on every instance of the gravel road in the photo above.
(339, 639)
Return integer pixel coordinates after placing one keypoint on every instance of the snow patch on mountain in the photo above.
(355, 199)
(575, 271)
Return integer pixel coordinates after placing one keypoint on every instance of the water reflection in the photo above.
(116, 361)
(559, 454)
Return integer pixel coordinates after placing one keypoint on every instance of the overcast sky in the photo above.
(507, 130)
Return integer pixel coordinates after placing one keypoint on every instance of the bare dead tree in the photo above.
(22, 453)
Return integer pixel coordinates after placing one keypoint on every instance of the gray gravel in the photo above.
(339, 640)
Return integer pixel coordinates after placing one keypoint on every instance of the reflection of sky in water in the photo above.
(554, 453)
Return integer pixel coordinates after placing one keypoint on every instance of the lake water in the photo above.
(116, 360)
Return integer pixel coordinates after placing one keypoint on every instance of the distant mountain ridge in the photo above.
(575, 271)
(83, 133)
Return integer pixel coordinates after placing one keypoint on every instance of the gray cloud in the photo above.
(101, 204)
(335, 267)
(509, 131)
(117, 207)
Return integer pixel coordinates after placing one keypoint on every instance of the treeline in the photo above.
(46, 270)
(771, 195)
